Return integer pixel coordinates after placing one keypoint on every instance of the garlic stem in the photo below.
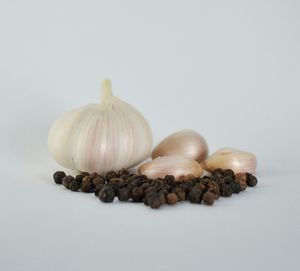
(106, 91)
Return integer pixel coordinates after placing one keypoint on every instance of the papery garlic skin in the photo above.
(187, 143)
(228, 158)
(101, 137)
(175, 165)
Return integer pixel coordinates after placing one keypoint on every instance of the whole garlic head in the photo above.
(228, 158)
(101, 137)
(187, 143)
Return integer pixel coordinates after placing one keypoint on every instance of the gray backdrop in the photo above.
(228, 69)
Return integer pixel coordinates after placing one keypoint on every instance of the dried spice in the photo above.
(87, 185)
(251, 180)
(75, 185)
(124, 194)
(195, 196)
(157, 192)
(208, 198)
(67, 180)
(241, 178)
(58, 176)
(107, 194)
(172, 198)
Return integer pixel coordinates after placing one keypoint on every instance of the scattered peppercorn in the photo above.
(195, 196)
(157, 192)
(107, 194)
(67, 180)
(251, 180)
(58, 176)
(124, 194)
(87, 185)
(75, 185)
(172, 198)
(111, 174)
(208, 198)
(241, 178)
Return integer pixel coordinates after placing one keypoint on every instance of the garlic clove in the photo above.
(228, 158)
(175, 165)
(187, 143)
(101, 137)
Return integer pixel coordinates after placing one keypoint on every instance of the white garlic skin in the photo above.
(228, 158)
(187, 143)
(175, 165)
(101, 137)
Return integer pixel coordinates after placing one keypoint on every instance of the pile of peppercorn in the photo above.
(155, 193)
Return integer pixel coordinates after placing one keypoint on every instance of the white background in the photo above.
(228, 69)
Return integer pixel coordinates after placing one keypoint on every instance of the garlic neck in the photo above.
(106, 91)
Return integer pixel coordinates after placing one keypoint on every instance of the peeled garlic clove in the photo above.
(175, 165)
(227, 158)
(101, 137)
(187, 143)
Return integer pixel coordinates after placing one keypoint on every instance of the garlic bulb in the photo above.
(187, 143)
(101, 137)
(175, 165)
(227, 158)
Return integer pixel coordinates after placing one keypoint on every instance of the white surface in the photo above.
(229, 69)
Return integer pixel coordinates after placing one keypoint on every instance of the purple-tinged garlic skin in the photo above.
(186, 143)
(175, 165)
(228, 158)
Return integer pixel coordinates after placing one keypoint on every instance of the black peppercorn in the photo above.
(124, 194)
(241, 178)
(226, 190)
(251, 180)
(208, 198)
(137, 194)
(87, 185)
(67, 180)
(195, 196)
(228, 172)
(154, 200)
(107, 194)
(123, 173)
(97, 189)
(111, 174)
(75, 185)
(98, 180)
(172, 198)
(236, 187)
(58, 176)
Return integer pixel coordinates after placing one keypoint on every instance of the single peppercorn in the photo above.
(75, 185)
(228, 172)
(137, 194)
(124, 194)
(80, 176)
(195, 196)
(97, 189)
(107, 194)
(123, 172)
(218, 173)
(172, 198)
(226, 190)
(58, 176)
(208, 198)
(236, 187)
(87, 185)
(251, 180)
(241, 178)
(98, 180)
(111, 174)
(67, 180)
(154, 200)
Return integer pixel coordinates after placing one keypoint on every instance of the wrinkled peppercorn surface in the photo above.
(129, 187)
